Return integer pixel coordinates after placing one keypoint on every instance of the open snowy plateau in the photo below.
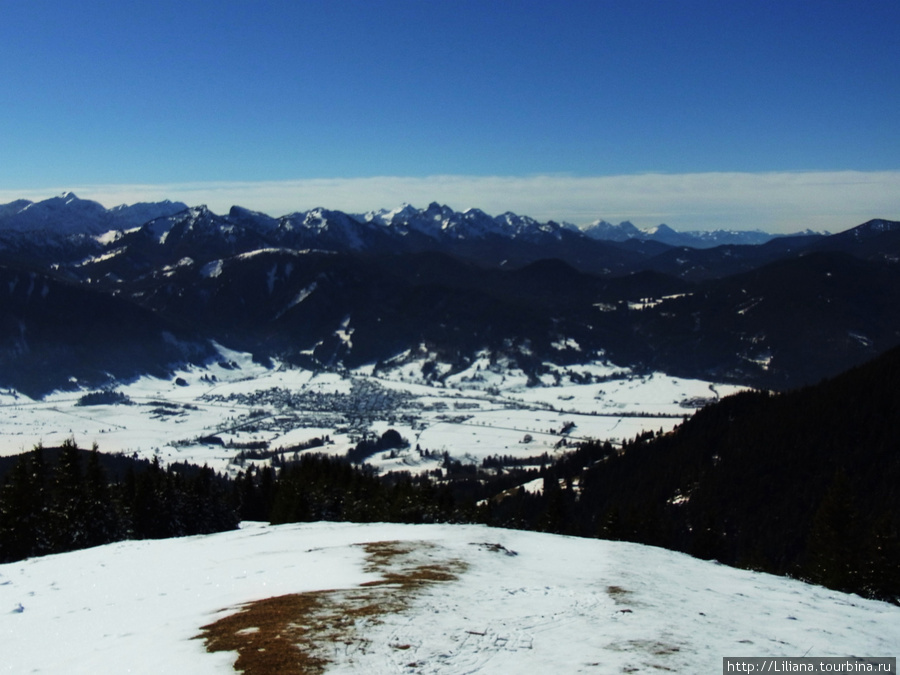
(206, 415)
(508, 602)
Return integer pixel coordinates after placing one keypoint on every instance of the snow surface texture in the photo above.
(519, 602)
(487, 409)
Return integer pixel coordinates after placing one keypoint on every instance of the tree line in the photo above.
(61, 499)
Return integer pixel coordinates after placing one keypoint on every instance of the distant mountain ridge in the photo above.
(606, 231)
(69, 214)
(84, 230)
(324, 288)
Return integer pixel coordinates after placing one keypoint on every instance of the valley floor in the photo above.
(208, 415)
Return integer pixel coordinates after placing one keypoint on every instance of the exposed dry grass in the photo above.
(270, 636)
(296, 634)
(618, 594)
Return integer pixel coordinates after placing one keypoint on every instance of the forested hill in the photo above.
(803, 483)
(63, 499)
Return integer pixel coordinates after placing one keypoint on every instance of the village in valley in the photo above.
(235, 410)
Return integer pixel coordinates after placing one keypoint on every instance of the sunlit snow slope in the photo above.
(514, 602)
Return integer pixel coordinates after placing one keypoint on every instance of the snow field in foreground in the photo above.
(562, 604)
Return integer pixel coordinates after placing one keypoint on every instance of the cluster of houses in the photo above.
(279, 410)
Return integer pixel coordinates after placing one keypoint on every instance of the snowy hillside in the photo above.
(459, 599)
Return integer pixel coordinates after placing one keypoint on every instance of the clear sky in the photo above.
(777, 114)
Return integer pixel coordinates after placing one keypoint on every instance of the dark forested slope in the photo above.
(804, 482)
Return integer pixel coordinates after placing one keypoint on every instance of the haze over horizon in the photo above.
(778, 116)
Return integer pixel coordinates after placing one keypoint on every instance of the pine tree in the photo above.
(16, 503)
(25, 509)
(103, 519)
(834, 547)
(39, 514)
(881, 576)
(68, 518)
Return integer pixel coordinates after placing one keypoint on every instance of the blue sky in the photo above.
(773, 114)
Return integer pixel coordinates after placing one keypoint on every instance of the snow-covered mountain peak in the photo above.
(509, 217)
(526, 228)
(315, 219)
(70, 198)
(386, 217)
(475, 212)
(437, 211)
(64, 214)
(602, 229)
(405, 210)
(322, 227)
(661, 229)
(200, 211)
(322, 216)
(252, 219)
(194, 220)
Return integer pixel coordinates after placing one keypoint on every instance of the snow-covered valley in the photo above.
(209, 415)
(494, 601)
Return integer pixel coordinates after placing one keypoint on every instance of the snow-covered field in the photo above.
(488, 409)
(507, 602)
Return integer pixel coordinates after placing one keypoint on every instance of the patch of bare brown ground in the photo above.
(296, 634)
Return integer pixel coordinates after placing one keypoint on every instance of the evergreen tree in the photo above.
(881, 576)
(17, 506)
(835, 546)
(25, 509)
(104, 522)
(68, 521)
(39, 514)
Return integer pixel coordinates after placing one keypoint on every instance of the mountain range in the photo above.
(68, 214)
(95, 294)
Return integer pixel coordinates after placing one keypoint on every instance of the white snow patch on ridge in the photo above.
(300, 297)
(212, 269)
(110, 237)
(100, 258)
